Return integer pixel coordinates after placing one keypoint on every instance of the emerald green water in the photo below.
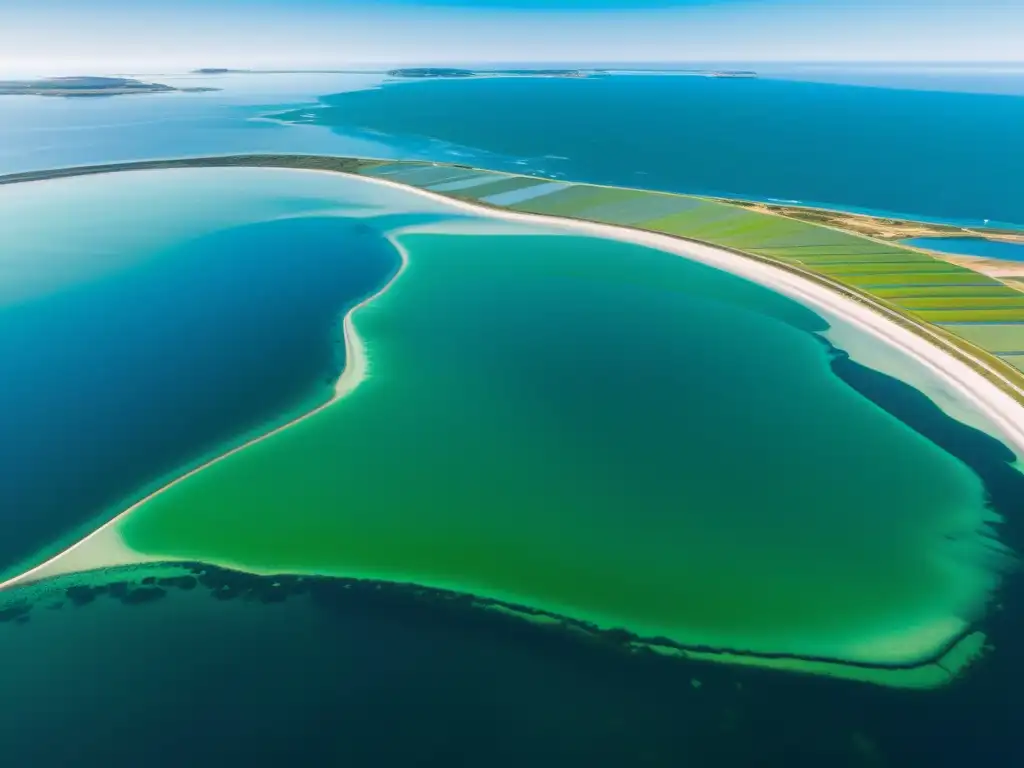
(616, 434)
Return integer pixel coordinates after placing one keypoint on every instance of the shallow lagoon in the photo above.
(601, 430)
(148, 320)
(614, 434)
(606, 368)
(849, 147)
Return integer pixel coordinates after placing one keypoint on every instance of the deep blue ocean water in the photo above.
(932, 154)
(932, 142)
(37, 132)
(228, 671)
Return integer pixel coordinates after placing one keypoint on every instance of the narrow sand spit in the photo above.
(104, 546)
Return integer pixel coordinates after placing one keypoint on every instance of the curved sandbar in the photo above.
(710, 256)
(104, 548)
(150, 294)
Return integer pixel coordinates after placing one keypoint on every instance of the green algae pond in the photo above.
(610, 433)
(614, 435)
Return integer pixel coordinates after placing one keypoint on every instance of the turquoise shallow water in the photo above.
(525, 392)
(169, 315)
(210, 676)
(812, 142)
(811, 134)
(615, 434)
(37, 133)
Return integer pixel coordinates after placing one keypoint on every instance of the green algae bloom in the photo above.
(614, 434)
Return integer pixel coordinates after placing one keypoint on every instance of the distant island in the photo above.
(425, 73)
(421, 72)
(86, 86)
(431, 72)
(440, 72)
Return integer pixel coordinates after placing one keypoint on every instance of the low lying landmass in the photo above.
(87, 86)
(461, 72)
(431, 72)
(310, 162)
(425, 72)
(881, 227)
(897, 230)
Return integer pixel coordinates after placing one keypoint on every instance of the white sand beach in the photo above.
(927, 346)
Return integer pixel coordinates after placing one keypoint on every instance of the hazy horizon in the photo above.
(767, 66)
(109, 36)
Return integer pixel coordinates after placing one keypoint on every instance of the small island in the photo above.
(544, 72)
(216, 71)
(431, 72)
(87, 86)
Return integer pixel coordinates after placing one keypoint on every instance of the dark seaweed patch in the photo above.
(16, 612)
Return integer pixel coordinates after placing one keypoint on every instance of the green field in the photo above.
(945, 292)
(914, 277)
(930, 289)
(972, 315)
(571, 201)
(994, 338)
(964, 302)
(425, 176)
(891, 266)
(509, 184)
(864, 256)
(1017, 361)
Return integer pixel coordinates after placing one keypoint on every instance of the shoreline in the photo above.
(891, 229)
(104, 547)
(919, 227)
(994, 403)
(105, 542)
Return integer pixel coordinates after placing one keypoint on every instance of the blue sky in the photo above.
(49, 36)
